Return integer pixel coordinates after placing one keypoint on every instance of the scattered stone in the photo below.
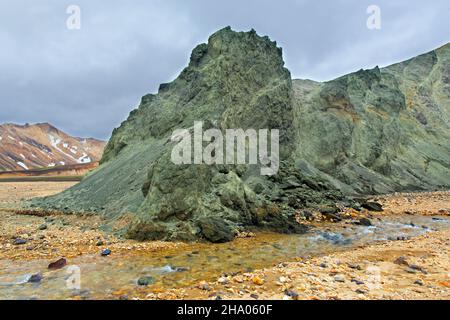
(412, 271)
(254, 296)
(365, 222)
(245, 235)
(339, 278)
(372, 206)
(359, 291)
(323, 265)
(292, 294)
(100, 243)
(181, 269)
(35, 278)
(106, 252)
(419, 283)
(204, 286)
(19, 242)
(331, 213)
(354, 266)
(358, 282)
(145, 281)
(59, 264)
(401, 261)
(418, 268)
(43, 227)
(306, 215)
(223, 280)
(258, 281)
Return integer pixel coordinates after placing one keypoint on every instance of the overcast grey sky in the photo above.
(87, 81)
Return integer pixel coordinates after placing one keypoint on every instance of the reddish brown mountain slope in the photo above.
(27, 147)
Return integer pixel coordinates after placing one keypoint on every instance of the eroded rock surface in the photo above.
(370, 132)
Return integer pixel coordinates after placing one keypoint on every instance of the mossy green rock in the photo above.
(374, 131)
(381, 130)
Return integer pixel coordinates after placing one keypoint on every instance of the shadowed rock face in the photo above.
(370, 132)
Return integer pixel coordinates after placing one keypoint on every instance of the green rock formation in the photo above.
(370, 132)
(381, 130)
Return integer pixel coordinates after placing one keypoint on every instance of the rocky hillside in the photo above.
(28, 147)
(373, 131)
(380, 130)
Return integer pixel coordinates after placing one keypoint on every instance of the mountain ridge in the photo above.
(41, 145)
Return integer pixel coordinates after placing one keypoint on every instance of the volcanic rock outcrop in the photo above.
(370, 132)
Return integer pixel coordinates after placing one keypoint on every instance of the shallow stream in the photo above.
(101, 276)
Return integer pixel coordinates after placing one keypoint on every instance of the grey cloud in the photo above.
(87, 81)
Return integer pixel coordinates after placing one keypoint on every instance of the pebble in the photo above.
(223, 280)
(61, 263)
(419, 283)
(181, 269)
(106, 252)
(292, 294)
(418, 268)
(254, 296)
(258, 281)
(365, 222)
(19, 242)
(43, 227)
(401, 261)
(204, 286)
(146, 281)
(339, 278)
(358, 282)
(35, 278)
(412, 271)
(354, 266)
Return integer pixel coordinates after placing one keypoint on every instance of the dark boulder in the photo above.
(372, 206)
(216, 230)
(59, 264)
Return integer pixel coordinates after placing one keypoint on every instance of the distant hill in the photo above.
(74, 172)
(37, 146)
